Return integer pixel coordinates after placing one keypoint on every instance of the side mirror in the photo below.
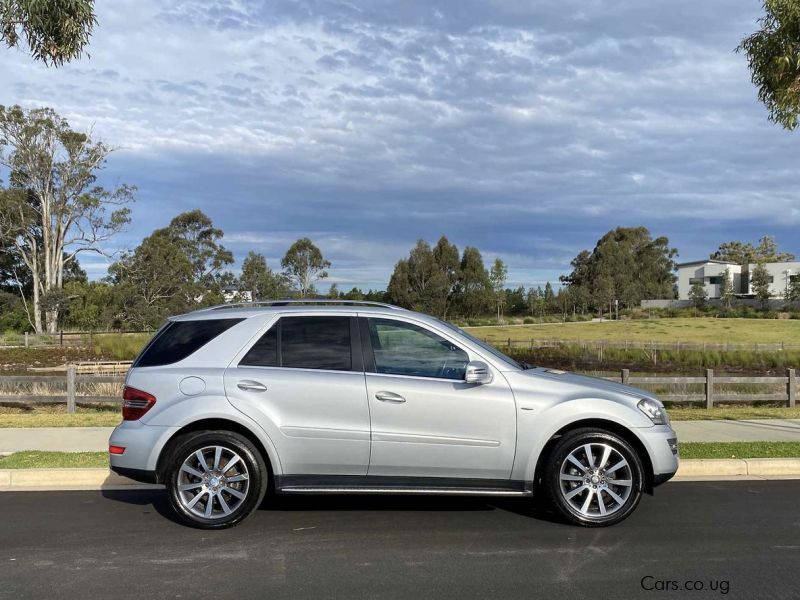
(478, 372)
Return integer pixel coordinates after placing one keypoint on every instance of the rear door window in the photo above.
(178, 339)
(313, 342)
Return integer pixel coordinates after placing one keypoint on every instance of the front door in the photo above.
(303, 381)
(426, 421)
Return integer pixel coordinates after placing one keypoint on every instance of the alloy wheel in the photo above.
(212, 482)
(596, 480)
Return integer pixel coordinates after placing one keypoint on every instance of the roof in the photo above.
(706, 261)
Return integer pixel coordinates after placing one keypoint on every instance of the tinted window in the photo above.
(406, 349)
(179, 339)
(316, 343)
(265, 351)
(304, 343)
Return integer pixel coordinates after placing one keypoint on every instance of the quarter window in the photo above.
(179, 339)
(304, 343)
(406, 349)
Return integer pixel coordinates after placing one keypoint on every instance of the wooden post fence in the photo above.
(71, 389)
(792, 387)
(709, 388)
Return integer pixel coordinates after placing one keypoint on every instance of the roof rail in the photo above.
(287, 302)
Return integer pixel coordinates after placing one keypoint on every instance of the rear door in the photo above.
(303, 381)
(426, 420)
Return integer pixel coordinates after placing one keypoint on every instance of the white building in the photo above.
(711, 272)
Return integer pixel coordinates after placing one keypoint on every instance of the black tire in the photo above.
(253, 488)
(556, 490)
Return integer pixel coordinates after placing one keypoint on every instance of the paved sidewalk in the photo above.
(95, 439)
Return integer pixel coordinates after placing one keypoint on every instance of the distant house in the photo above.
(711, 272)
(233, 294)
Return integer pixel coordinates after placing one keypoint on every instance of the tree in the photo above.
(627, 264)
(698, 295)
(355, 294)
(333, 292)
(427, 280)
(742, 253)
(260, 280)
(793, 295)
(195, 233)
(773, 55)
(474, 294)
(91, 305)
(498, 276)
(54, 210)
(446, 259)
(304, 265)
(760, 280)
(55, 31)
(154, 281)
(726, 292)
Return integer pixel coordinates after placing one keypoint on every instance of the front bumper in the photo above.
(661, 443)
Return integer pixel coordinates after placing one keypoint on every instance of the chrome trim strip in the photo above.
(409, 438)
(400, 490)
(318, 433)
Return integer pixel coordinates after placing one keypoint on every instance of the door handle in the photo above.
(251, 386)
(390, 397)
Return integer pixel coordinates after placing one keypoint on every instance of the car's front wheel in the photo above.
(215, 479)
(593, 478)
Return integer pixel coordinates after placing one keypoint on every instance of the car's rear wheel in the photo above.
(593, 478)
(215, 478)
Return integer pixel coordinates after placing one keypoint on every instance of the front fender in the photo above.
(536, 428)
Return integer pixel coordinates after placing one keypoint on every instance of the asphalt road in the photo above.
(743, 537)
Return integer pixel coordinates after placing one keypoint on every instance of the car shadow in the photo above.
(526, 507)
(156, 498)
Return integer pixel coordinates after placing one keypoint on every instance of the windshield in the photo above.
(491, 349)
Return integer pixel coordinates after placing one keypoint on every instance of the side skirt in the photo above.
(379, 484)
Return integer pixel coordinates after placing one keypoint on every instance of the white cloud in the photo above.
(426, 117)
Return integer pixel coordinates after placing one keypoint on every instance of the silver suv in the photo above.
(310, 397)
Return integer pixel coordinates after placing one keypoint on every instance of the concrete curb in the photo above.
(66, 479)
(104, 479)
(739, 467)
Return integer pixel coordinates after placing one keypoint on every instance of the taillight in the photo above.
(135, 403)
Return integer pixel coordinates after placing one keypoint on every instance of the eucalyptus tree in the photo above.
(303, 265)
(53, 31)
(54, 209)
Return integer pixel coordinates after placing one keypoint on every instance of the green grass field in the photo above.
(734, 331)
(739, 450)
(57, 416)
(54, 460)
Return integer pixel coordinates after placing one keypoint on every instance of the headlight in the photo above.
(654, 411)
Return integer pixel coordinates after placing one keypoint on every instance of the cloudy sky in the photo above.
(524, 128)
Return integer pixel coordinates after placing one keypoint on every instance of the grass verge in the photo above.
(739, 450)
(57, 416)
(733, 413)
(54, 460)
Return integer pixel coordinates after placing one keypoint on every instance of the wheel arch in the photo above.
(611, 426)
(214, 424)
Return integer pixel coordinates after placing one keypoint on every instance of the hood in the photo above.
(587, 382)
